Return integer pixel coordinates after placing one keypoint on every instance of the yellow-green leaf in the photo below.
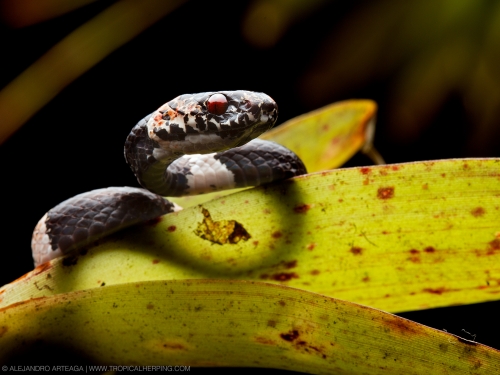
(397, 237)
(327, 137)
(238, 323)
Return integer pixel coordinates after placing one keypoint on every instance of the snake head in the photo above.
(211, 121)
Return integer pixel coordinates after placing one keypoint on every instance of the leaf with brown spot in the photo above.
(234, 323)
(405, 244)
(385, 192)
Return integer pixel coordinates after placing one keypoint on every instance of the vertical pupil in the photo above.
(217, 104)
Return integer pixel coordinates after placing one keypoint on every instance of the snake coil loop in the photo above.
(193, 144)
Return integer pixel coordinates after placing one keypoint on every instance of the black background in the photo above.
(75, 143)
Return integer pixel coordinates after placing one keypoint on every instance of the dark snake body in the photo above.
(195, 143)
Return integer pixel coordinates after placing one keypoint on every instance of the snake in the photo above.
(193, 144)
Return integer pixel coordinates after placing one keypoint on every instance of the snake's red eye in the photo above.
(217, 104)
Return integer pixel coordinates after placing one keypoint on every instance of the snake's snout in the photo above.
(269, 105)
(265, 112)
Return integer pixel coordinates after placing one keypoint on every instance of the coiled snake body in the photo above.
(195, 143)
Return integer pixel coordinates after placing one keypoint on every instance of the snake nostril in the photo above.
(217, 104)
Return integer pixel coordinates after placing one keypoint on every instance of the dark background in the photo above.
(75, 142)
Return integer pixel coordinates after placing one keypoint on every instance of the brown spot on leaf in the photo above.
(173, 346)
(403, 326)
(443, 347)
(172, 228)
(156, 261)
(425, 186)
(302, 208)
(290, 336)
(315, 348)
(284, 276)
(255, 243)
(385, 192)
(271, 323)
(3, 330)
(356, 250)
(290, 264)
(414, 259)
(282, 303)
(495, 244)
(264, 340)
(315, 272)
(365, 279)
(478, 211)
(365, 170)
(276, 234)
(429, 249)
(311, 246)
(438, 291)
(222, 231)
(38, 269)
(150, 306)
(493, 247)
(414, 251)
(395, 167)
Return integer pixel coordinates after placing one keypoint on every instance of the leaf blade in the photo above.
(431, 241)
(238, 323)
